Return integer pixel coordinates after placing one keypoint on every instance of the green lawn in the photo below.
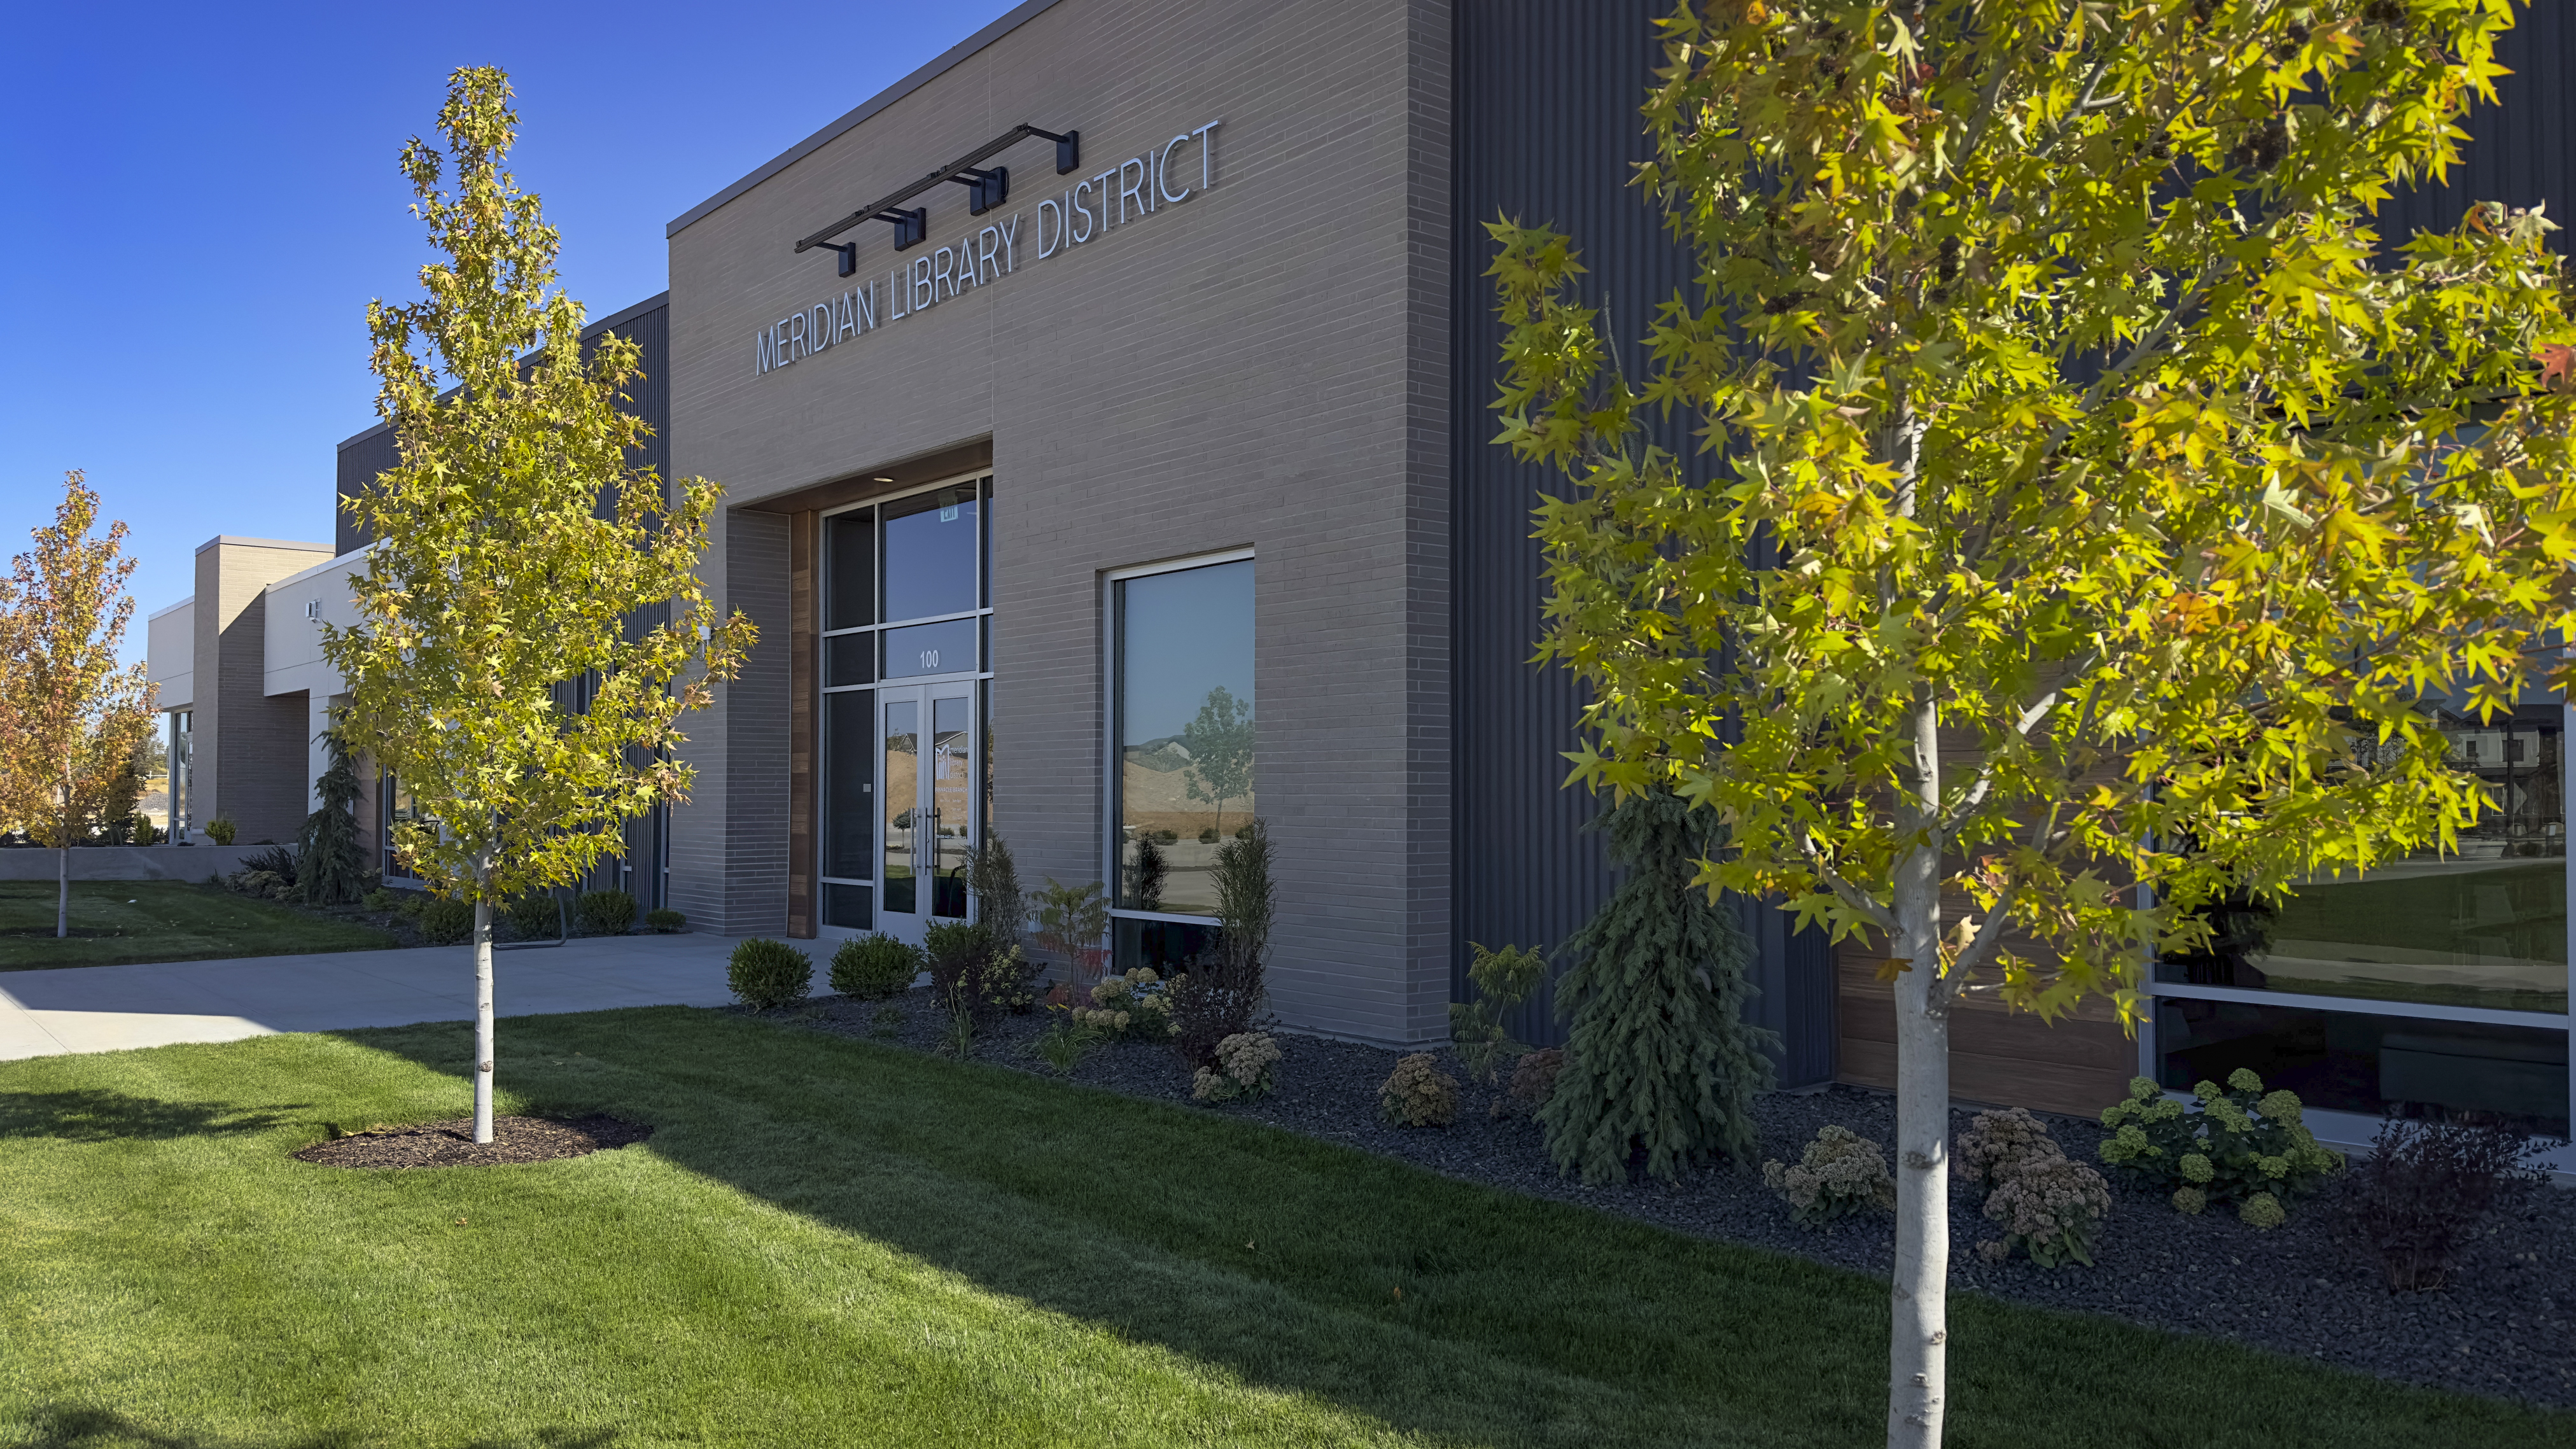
(829, 1242)
(115, 922)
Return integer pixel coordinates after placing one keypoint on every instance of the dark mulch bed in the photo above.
(2506, 1326)
(451, 1144)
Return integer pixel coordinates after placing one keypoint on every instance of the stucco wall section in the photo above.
(1262, 365)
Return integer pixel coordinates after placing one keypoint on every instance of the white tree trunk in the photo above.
(482, 1009)
(63, 893)
(1918, 1327)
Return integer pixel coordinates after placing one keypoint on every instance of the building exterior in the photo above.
(1149, 489)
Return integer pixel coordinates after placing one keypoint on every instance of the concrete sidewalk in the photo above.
(110, 1008)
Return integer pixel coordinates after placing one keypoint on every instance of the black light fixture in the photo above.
(909, 228)
(988, 188)
(984, 189)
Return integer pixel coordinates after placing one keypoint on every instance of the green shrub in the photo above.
(410, 903)
(1064, 1044)
(536, 916)
(220, 831)
(765, 973)
(2241, 1145)
(379, 899)
(1242, 1070)
(1503, 979)
(665, 920)
(444, 923)
(2051, 1208)
(1418, 1094)
(606, 913)
(1841, 1173)
(875, 966)
(1137, 1005)
(979, 969)
(1533, 1079)
(144, 832)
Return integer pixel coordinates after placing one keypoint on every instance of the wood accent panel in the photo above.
(2077, 1065)
(804, 701)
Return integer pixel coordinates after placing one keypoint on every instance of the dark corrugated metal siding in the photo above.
(2519, 150)
(647, 323)
(1547, 130)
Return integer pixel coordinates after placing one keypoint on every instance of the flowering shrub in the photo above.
(1138, 1004)
(2241, 1145)
(1418, 1094)
(1534, 1078)
(1243, 1068)
(2051, 1208)
(1840, 1173)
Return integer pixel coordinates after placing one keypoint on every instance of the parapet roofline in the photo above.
(940, 65)
(237, 542)
(591, 329)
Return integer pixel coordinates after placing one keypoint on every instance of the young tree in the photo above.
(1220, 745)
(72, 724)
(515, 540)
(2091, 502)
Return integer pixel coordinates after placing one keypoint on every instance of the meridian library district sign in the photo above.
(1136, 188)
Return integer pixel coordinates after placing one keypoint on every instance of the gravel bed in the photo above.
(2506, 1327)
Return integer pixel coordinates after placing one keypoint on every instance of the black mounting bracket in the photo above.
(990, 188)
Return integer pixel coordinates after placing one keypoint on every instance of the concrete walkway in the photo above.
(110, 1008)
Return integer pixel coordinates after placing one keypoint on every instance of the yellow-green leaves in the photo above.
(531, 609)
(2054, 370)
(70, 718)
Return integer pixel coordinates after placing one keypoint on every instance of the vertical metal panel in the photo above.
(1547, 130)
(2518, 150)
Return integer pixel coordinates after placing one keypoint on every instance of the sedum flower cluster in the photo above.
(1839, 1174)
(2239, 1144)
(1418, 1094)
(1243, 1068)
(1137, 1004)
(2050, 1206)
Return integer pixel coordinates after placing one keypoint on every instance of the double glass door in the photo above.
(927, 780)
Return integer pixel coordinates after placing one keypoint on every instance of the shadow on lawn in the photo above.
(77, 1426)
(90, 1115)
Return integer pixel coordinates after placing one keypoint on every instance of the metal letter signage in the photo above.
(1130, 190)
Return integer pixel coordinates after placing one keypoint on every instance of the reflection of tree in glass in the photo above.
(1145, 874)
(1220, 746)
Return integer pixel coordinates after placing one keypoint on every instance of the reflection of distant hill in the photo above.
(1165, 754)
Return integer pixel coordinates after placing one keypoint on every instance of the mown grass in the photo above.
(828, 1242)
(118, 922)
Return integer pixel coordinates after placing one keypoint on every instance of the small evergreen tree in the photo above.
(331, 868)
(1660, 1056)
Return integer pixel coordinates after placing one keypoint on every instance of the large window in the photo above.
(2436, 983)
(1182, 736)
(905, 645)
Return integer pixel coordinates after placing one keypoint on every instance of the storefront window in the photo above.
(905, 634)
(2436, 984)
(2346, 1061)
(1183, 776)
(399, 809)
(2484, 926)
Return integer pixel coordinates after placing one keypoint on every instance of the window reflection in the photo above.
(931, 544)
(902, 793)
(2351, 1062)
(2485, 926)
(952, 808)
(1184, 730)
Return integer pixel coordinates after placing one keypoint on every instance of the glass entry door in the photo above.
(926, 791)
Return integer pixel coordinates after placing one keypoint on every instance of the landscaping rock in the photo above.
(2506, 1327)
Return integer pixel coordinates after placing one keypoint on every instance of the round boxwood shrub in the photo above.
(535, 916)
(874, 966)
(665, 920)
(766, 973)
(606, 913)
(444, 923)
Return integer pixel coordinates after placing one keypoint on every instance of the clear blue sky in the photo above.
(202, 199)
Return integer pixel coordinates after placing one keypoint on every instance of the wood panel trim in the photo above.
(804, 700)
